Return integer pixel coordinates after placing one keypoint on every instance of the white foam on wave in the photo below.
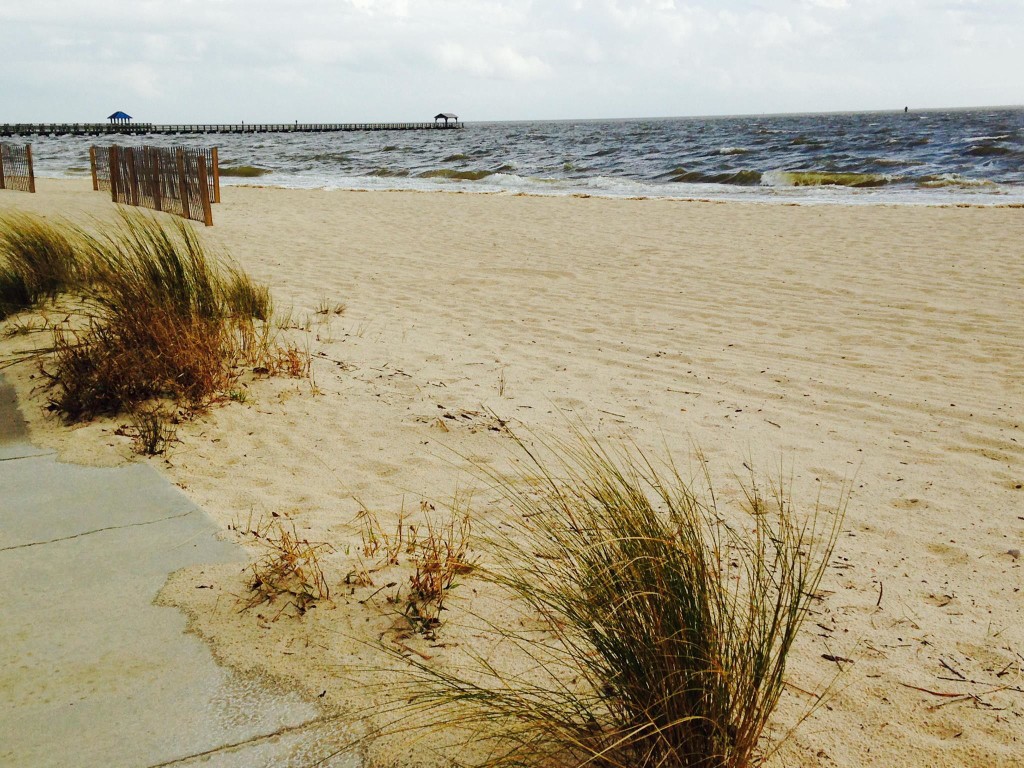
(773, 189)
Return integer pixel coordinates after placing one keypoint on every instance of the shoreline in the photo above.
(785, 196)
(874, 344)
(944, 158)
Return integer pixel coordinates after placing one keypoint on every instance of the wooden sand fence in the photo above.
(179, 180)
(16, 167)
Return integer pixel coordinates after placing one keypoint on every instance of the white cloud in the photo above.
(324, 51)
(399, 8)
(503, 63)
(832, 4)
(385, 59)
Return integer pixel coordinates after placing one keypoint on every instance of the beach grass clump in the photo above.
(657, 624)
(14, 293)
(289, 569)
(245, 298)
(151, 428)
(164, 319)
(38, 260)
(438, 557)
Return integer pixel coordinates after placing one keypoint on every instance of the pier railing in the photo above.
(16, 167)
(143, 129)
(175, 180)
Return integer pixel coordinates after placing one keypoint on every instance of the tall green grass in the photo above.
(38, 260)
(665, 620)
(166, 320)
(143, 260)
(159, 316)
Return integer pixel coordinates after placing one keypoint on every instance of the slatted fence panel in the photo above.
(16, 167)
(174, 180)
(99, 162)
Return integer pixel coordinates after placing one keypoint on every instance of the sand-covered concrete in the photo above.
(95, 673)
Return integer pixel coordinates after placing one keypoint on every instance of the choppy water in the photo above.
(937, 157)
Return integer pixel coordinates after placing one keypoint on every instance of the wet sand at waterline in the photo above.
(876, 346)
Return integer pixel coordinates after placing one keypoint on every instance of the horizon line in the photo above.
(796, 113)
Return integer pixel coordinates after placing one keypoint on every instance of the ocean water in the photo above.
(928, 157)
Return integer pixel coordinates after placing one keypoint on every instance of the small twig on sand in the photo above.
(933, 693)
(404, 647)
(955, 672)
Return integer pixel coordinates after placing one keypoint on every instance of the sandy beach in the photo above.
(873, 347)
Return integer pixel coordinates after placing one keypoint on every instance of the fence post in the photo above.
(31, 174)
(183, 184)
(216, 174)
(3, 184)
(115, 170)
(204, 190)
(154, 156)
(133, 176)
(92, 167)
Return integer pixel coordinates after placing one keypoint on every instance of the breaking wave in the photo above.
(243, 171)
(739, 178)
(451, 173)
(985, 150)
(952, 180)
(825, 178)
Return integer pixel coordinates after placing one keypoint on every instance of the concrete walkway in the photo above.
(91, 672)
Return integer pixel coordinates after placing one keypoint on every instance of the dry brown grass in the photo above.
(160, 318)
(117, 363)
(151, 428)
(436, 550)
(378, 545)
(440, 555)
(289, 569)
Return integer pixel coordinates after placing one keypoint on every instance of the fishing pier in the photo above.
(153, 129)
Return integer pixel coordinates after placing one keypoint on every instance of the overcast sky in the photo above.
(384, 60)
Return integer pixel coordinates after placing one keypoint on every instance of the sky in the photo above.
(406, 60)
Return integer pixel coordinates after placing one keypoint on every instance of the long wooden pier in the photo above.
(146, 129)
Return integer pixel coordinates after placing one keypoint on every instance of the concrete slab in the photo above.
(91, 672)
